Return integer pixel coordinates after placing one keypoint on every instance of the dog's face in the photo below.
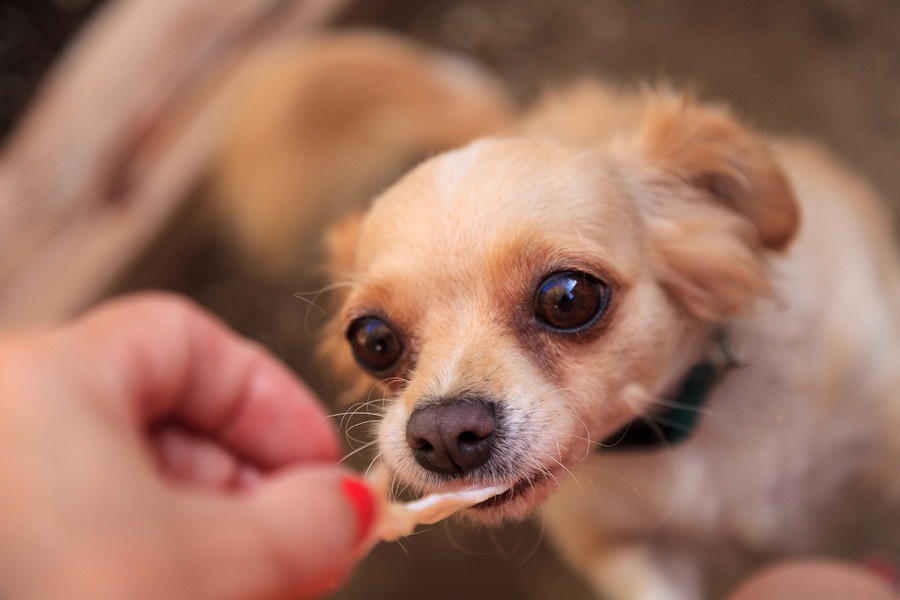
(520, 299)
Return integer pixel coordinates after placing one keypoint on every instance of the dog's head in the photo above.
(520, 299)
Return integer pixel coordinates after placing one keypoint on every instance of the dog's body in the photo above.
(669, 227)
(792, 445)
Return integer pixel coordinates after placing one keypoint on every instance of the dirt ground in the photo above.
(828, 69)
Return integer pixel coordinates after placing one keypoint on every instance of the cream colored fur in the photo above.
(697, 224)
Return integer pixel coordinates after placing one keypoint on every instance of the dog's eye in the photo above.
(570, 301)
(375, 345)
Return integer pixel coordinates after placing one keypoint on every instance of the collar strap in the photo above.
(675, 423)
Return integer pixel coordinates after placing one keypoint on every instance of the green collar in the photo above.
(672, 425)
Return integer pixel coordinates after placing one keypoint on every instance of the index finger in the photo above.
(166, 359)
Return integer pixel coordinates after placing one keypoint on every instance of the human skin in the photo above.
(814, 579)
(148, 452)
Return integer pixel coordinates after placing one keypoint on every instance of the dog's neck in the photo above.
(676, 422)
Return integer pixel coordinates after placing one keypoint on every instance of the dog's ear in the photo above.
(333, 351)
(715, 201)
(340, 243)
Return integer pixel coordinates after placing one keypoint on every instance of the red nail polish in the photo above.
(363, 502)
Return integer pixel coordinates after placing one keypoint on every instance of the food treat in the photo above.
(398, 520)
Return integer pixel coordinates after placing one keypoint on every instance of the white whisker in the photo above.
(374, 462)
(356, 451)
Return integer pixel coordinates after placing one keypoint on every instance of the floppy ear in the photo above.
(715, 200)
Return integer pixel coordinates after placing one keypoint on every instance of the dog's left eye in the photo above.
(570, 300)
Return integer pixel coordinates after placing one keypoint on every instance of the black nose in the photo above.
(454, 437)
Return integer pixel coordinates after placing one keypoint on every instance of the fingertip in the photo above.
(326, 503)
(292, 534)
(362, 501)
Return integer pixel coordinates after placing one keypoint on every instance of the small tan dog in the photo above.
(680, 337)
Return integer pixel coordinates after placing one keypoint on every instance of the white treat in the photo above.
(399, 520)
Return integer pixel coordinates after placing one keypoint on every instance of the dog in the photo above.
(676, 336)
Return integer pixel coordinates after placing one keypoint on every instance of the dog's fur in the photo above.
(698, 225)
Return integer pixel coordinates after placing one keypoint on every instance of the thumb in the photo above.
(296, 534)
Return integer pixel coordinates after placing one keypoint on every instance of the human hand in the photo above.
(148, 452)
(814, 579)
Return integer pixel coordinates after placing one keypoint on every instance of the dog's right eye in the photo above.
(375, 346)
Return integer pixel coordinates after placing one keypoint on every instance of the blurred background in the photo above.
(828, 69)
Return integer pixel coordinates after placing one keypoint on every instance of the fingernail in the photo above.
(322, 589)
(363, 502)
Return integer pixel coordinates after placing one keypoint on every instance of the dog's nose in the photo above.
(452, 438)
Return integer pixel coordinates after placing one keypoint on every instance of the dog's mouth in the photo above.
(537, 486)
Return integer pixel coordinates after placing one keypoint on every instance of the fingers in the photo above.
(176, 363)
(299, 533)
(199, 461)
